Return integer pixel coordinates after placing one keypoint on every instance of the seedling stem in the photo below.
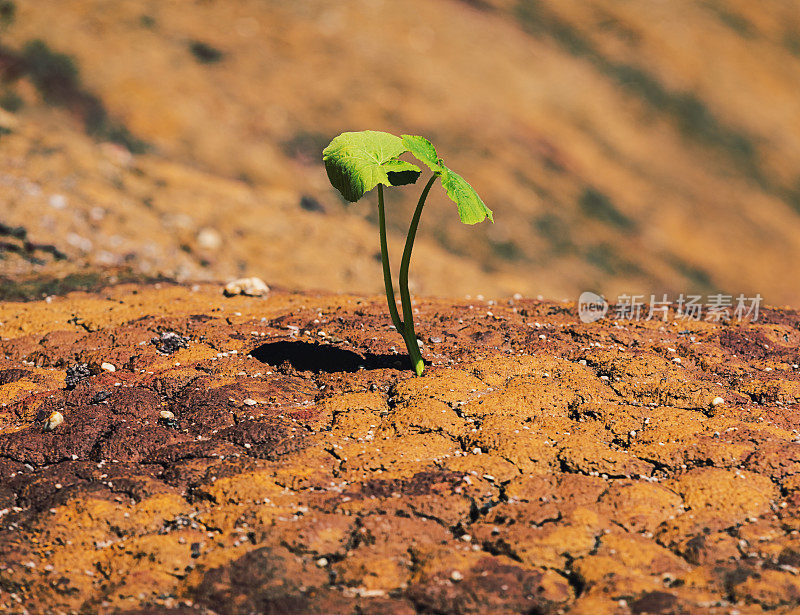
(405, 297)
(387, 269)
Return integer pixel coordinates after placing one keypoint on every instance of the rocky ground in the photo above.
(167, 449)
(242, 455)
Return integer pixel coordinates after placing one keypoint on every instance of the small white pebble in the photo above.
(250, 287)
(322, 562)
(456, 576)
(249, 402)
(53, 421)
(717, 401)
(108, 367)
(167, 415)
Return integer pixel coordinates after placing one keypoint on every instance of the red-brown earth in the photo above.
(540, 465)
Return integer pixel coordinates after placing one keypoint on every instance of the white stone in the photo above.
(251, 287)
(53, 421)
(108, 367)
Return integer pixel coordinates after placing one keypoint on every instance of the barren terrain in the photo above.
(539, 466)
(623, 146)
(167, 449)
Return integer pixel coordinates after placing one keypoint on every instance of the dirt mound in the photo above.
(236, 455)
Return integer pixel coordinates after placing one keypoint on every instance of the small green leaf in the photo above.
(356, 162)
(471, 209)
(424, 151)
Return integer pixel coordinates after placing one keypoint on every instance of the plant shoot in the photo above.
(357, 162)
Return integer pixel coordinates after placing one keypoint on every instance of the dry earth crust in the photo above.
(273, 457)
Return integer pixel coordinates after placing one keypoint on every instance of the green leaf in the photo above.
(424, 151)
(356, 162)
(471, 209)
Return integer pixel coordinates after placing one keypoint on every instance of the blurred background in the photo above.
(625, 147)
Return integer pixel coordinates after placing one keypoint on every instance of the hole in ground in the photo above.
(317, 358)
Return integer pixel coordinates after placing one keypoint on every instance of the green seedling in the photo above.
(357, 162)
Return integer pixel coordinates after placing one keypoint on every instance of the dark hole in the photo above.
(306, 357)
